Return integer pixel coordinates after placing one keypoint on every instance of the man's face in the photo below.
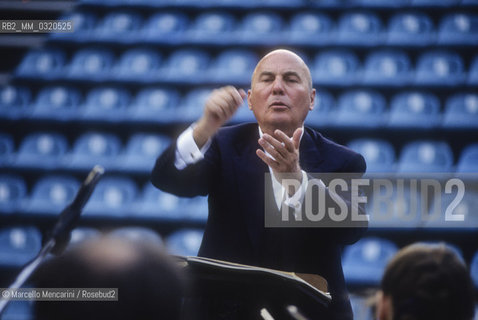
(281, 93)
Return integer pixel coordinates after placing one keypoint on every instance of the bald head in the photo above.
(291, 54)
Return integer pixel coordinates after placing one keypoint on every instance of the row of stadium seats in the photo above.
(286, 3)
(193, 66)
(49, 150)
(358, 107)
(309, 28)
(115, 197)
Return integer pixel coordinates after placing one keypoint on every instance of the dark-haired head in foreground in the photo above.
(426, 282)
(149, 284)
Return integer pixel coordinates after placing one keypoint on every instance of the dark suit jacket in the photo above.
(234, 178)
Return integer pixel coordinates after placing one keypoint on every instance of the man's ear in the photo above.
(249, 103)
(384, 307)
(312, 100)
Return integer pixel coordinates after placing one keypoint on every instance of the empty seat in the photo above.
(187, 65)
(57, 103)
(42, 150)
(473, 72)
(261, 28)
(154, 104)
(14, 102)
(439, 68)
(51, 194)
(234, 66)
(112, 197)
(94, 148)
(141, 234)
(361, 108)
(307, 27)
(459, 28)
(426, 156)
(119, 26)
(335, 67)
(42, 63)
(461, 111)
(446, 213)
(212, 27)
(185, 242)
(106, 104)
(387, 67)
(83, 21)
(80, 234)
(7, 149)
(324, 104)
(359, 28)
(166, 27)
(364, 262)
(141, 152)
(415, 110)
(193, 105)
(411, 28)
(468, 161)
(139, 65)
(13, 191)
(18, 245)
(154, 203)
(379, 154)
(91, 64)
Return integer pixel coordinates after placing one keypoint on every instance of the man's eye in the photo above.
(267, 79)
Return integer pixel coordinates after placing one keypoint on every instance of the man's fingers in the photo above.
(287, 142)
(270, 162)
(296, 137)
(271, 149)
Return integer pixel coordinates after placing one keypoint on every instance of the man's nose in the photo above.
(278, 86)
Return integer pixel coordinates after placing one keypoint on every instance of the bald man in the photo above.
(230, 164)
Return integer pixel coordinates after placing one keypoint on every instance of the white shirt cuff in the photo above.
(187, 151)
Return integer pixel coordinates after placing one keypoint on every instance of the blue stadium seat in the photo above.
(141, 234)
(458, 28)
(414, 109)
(13, 191)
(387, 67)
(42, 63)
(461, 111)
(167, 27)
(119, 27)
(410, 29)
(185, 242)
(434, 3)
(234, 66)
(193, 105)
(106, 104)
(468, 161)
(360, 28)
(14, 102)
(139, 65)
(42, 150)
(19, 310)
(94, 148)
(154, 104)
(91, 64)
(141, 152)
(379, 154)
(51, 194)
(212, 27)
(187, 66)
(113, 197)
(474, 269)
(426, 156)
(197, 209)
(80, 234)
(462, 216)
(154, 203)
(473, 72)
(324, 104)
(360, 108)
(57, 103)
(18, 245)
(7, 150)
(335, 67)
(364, 262)
(440, 68)
(84, 22)
(307, 27)
(261, 28)
(361, 307)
